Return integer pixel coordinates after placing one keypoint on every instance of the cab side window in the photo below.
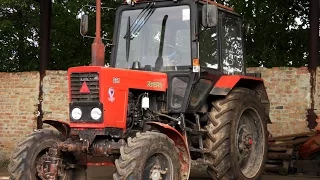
(232, 45)
(208, 47)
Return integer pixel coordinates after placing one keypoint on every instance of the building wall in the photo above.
(289, 94)
(288, 90)
(18, 107)
(55, 98)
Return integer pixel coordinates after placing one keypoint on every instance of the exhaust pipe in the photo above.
(97, 47)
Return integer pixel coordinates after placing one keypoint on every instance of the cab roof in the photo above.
(202, 1)
(218, 4)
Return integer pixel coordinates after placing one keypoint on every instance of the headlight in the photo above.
(76, 113)
(96, 113)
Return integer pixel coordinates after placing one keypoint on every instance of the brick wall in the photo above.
(289, 94)
(55, 98)
(288, 90)
(18, 103)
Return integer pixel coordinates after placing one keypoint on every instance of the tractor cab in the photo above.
(178, 36)
(183, 39)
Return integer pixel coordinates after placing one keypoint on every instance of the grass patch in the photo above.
(4, 164)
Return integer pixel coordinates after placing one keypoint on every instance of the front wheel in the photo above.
(29, 155)
(237, 137)
(148, 156)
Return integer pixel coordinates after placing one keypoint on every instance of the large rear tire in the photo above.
(30, 151)
(237, 137)
(149, 154)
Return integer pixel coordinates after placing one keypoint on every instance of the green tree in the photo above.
(275, 38)
(69, 48)
(19, 32)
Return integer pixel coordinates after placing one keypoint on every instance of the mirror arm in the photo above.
(108, 8)
(92, 37)
(85, 36)
(108, 44)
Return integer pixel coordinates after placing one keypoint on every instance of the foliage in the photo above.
(275, 38)
(19, 32)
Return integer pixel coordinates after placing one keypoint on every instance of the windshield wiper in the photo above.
(147, 10)
(128, 40)
(159, 61)
(144, 15)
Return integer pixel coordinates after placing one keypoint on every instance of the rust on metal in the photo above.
(97, 47)
(104, 148)
(49, 166)
(313, 58)
(98, 148)
(72, 146)
(310, 147)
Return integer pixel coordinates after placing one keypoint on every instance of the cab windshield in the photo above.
(156, 37)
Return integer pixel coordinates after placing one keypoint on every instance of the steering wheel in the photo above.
(174, 57)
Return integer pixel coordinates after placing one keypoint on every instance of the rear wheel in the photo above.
(149, 155)
(237, 137)
(29, 155)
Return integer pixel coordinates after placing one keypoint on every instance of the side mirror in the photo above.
(209, 15)
(84, 24)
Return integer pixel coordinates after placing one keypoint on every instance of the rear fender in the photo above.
(226, 83)
(62, 127)
(180, 143)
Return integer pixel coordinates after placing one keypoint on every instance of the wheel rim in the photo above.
(38, 164)
(158, 167)
(40, 158)
(250, 143)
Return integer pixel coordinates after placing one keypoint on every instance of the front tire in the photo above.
(149, 154)
(237, 137)
(30, 151)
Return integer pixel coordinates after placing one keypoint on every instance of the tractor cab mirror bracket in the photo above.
(209, 15)
(84, 25)
(84, 22)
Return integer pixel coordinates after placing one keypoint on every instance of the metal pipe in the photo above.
(98, 19)
(97, 48)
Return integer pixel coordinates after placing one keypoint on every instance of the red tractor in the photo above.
(176, 93)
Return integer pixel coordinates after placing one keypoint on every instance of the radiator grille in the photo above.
(92, 81)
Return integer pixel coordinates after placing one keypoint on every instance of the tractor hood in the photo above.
(108, 88)
(125, 78)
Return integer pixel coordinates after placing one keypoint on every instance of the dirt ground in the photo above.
(103, 173)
